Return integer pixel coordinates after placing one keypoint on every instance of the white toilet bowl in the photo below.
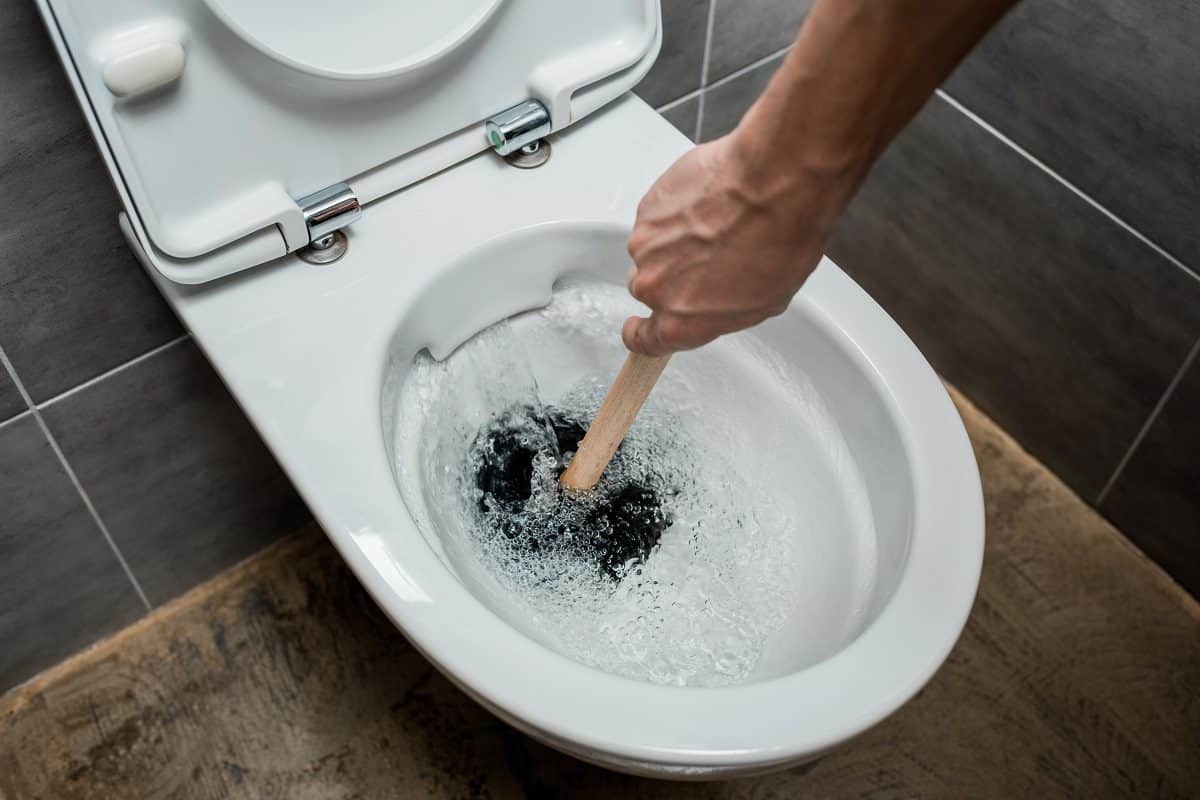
(314, 355)
(308, 350)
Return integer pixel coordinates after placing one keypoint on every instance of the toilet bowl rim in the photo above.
(933, 432)
(308, 415)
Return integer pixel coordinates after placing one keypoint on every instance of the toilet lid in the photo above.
(217, 117)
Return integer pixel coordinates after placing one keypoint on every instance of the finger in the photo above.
(684, 332)
(628, 337)
(662, 333)
(665, 333)
(638, 285)
(678, 332)
(641, 335)
(650, 287)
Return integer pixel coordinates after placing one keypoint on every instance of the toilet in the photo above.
(323, 195)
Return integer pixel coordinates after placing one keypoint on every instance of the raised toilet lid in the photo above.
(221, 119)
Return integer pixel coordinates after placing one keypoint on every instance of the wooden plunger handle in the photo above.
(635, 380)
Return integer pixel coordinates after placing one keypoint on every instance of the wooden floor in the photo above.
(1078, 676)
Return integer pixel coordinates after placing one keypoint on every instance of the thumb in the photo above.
(642, 335)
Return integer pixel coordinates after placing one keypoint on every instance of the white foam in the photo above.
(769, 563)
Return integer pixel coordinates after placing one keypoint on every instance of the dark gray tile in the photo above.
(73, 302)
(677, 70)
(1105, 92)
(725, 103)
(181, 479)
(747, 30)
(61, 586)
(1156, 499)
(684, 117)
(11, 402)
(1057, 322)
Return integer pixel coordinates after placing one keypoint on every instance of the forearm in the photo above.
(859, 71)
(728, 235)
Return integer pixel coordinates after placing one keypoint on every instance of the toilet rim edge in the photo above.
(798, 715)
(939, 437)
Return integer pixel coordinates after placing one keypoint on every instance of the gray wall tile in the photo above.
(182, 481)
(11, 402)
(1105, 91)
(725, 103)
(73, 302)
(747, 30)
(677, 70)
(684, 117)
(61, 586)
(1061, 325)
(1156, 499)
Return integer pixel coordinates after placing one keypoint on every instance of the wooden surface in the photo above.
(1078, 676)
(620, 408)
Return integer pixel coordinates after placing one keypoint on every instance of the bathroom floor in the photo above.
(1078, 675)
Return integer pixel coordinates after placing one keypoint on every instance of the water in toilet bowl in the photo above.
(730, 532)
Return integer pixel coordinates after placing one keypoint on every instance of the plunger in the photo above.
(637, 377)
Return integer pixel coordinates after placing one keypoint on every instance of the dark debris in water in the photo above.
(615, 527)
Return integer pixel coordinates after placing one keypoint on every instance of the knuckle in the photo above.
(637, 238)
(646, 287)
(645, 205)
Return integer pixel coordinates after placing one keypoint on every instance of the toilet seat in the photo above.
(224, 121)
(304, 350)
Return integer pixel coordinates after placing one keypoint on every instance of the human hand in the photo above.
(718, 247)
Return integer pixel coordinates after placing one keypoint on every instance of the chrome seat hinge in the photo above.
(327, 211)
(518, 127)
(325, 214)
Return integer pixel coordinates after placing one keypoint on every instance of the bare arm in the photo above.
(730, 232)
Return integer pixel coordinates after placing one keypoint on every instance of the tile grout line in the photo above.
(12, 371)
(708, 33)
(753, 65)
(733, 76)
(13, 419)
(1158, 249)
(737, 73)
(1030, 157)
(83, 495)
(678, 101)
(110, 372)
(6, 367)
(87, 502)
(1188, 361)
